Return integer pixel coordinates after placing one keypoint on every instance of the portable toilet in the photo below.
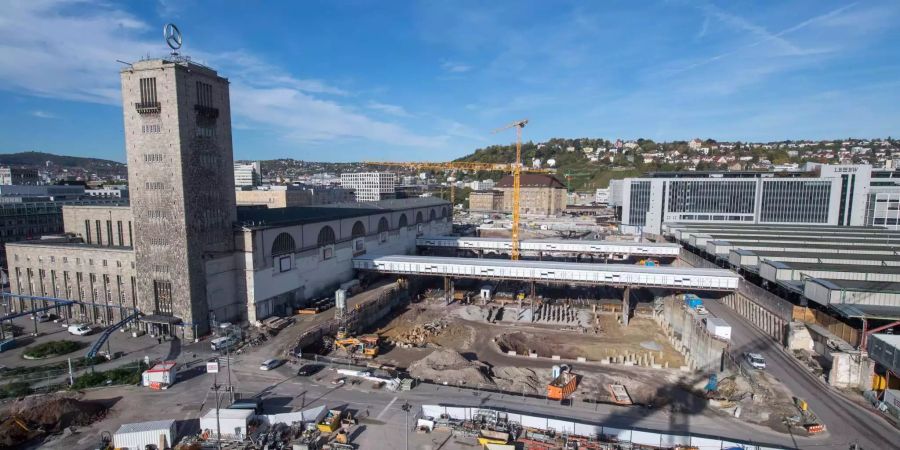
(486, 292)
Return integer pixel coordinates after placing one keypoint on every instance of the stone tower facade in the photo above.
(181, 183)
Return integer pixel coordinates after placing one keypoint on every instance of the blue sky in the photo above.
(397, 80)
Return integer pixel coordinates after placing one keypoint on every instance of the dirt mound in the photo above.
(520, 379)
(42, 415)
(54, 414)
(450, 367)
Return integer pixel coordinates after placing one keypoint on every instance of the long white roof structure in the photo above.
(555, 245)
(558, 272)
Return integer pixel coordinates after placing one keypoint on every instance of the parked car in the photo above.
(309, 369)
(42, 317)
(270, 364)
(339, 381)
(80, 329)
(701, 310)
(755, 360)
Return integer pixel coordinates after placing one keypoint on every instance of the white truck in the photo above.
(719, 328)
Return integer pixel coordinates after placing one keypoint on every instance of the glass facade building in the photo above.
(840, 195)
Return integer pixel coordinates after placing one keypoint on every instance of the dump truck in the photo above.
(562, 386)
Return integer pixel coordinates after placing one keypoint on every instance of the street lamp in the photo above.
(406, 407)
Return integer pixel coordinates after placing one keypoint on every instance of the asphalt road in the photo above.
(846, 421)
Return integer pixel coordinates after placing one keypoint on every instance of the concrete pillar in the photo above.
(626, 305)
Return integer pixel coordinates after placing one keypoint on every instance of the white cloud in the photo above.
(68, 50)
(43, 114)
(455, 67)
(394, 110)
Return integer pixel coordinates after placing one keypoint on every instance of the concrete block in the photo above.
(656, 366)
(605, 361)
(581, 359)
(684, 369)
(532, 355)
(556, 357)
(511, 352)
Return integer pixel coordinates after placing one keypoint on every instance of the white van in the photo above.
(79, 329)
(223, 342)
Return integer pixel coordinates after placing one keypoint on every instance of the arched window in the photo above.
(432, 215)
(444, 212)
(383, 225)
(358, 229)
(419, 217)
(326, 236)
(403, 221)
(283, 244)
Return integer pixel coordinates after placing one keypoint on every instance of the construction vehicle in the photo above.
(487, 436)
(807, 419)
(365, 345)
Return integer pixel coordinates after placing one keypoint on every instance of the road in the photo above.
(846, 421)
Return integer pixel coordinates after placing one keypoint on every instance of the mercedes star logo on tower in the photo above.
(173, 36)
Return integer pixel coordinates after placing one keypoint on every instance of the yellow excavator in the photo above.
(365, 345)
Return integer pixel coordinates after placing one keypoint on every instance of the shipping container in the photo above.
(232, 422)
(137, 436)
(718, 328)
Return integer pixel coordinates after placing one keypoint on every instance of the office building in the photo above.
(247, 174)
(181, 253)
(841, 195)
(370, 186)
(19, 176)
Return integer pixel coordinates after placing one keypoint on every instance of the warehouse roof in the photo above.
(532, 180)
(752, 226)
(805, 245)
(763, 254)
(858, 285)
(803, 266)
(853, 311)
(256, 217)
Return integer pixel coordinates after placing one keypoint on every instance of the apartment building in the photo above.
(370, 186)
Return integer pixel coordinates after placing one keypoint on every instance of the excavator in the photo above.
(365, 345)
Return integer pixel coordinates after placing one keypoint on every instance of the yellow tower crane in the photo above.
(517, 174)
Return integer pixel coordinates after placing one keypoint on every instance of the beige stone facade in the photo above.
(102, 278)
(101, 225)
(539, 194)
(293, 196)
(486, 201)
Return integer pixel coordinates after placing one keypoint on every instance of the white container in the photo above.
(232, 422)
(136, 436)
(718, 328)
(162, 373)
